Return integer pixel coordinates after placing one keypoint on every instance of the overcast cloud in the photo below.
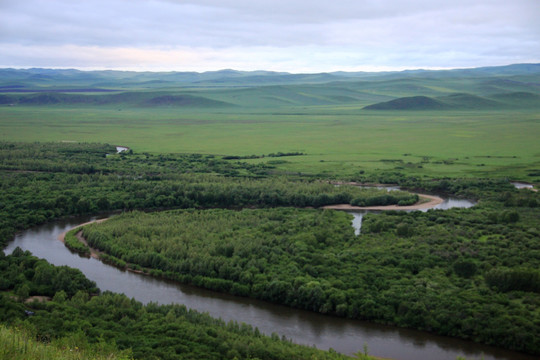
(281, 35)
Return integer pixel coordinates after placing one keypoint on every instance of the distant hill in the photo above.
(468, 101)
(520, 98)
(185, 100)
(481, 88)
(409, 103)
(32, 78)
(136, 99)
(460, 101)
(29, 78)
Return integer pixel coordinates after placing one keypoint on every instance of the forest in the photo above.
(244, 229)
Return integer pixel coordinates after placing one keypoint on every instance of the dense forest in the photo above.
(245, 229)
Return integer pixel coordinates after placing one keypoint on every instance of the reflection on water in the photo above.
(520, 185)
(453, 203)
(388, 188)
(343, 335)
(357, 220)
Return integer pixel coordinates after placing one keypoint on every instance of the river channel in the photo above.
(343, 335)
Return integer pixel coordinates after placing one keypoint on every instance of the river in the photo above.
(303, 327)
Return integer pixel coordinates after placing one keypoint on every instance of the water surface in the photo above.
(522, 185)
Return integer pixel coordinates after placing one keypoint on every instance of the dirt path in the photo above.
(368, 185)
(38, 298)
(426, 202)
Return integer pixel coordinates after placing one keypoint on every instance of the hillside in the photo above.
(482, 88)
(520, 98)
(141, 99)
(24, 79)
(409, 103)
(460, 101)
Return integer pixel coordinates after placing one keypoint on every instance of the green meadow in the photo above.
(426, 125)
(449, 143)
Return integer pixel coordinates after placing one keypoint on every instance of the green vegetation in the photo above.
(41, 182)
(17, 344)
(336, 143)
(461, 101)
(486, 125)
(27, 275)
(139, 99)
(408, 269)
(303, 258)
(79, 326)
(74, 244)
(408, 103)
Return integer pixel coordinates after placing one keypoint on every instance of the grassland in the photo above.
(450, 143)
(19, 345)
(485, 126)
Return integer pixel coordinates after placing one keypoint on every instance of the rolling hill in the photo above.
(409, 103)
(512, 86)
(135, 99)
(460, 101)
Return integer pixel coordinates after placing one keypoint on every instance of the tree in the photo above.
(23, 291)
(465, 268)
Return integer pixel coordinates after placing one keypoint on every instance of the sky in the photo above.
(279, 35)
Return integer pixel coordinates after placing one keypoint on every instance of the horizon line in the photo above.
(127, 69)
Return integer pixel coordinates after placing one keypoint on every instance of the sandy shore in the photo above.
(354, 183)
(426, 202)
(93, 252)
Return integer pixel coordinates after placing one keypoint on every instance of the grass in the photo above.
(16, 344)
(486, 125)
(340, 141)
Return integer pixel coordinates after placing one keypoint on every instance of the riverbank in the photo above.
(94, 253)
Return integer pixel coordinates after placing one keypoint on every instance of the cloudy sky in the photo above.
(280, 35)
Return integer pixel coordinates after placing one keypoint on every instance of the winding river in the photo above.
(343, 335)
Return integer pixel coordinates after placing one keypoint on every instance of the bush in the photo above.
(465, 268)
(509, 279)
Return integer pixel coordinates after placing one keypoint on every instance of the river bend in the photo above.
(303, 327)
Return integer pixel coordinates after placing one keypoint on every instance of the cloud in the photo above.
(221, 33)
